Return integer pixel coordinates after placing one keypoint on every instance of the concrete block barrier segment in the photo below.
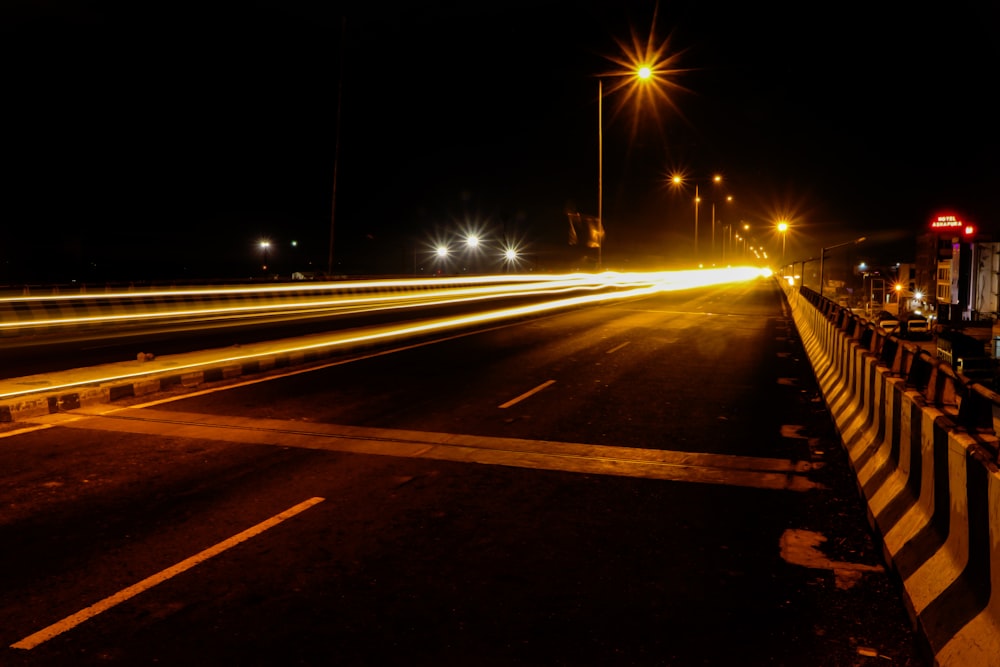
(48, 393)
(932, 488)
(32, 396)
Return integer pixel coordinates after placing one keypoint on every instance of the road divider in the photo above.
(923, 445)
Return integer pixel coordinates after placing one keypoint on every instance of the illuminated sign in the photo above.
(946, 222)
(950, 222)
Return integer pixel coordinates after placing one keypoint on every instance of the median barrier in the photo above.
(923, 446)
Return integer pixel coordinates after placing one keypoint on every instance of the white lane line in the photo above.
(79, 617)
(26, 429)
(615, 349)
(526, 394)
(279, 374)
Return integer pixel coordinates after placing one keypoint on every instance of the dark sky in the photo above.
(163, 140)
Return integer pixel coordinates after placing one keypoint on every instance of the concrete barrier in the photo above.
(922, 442)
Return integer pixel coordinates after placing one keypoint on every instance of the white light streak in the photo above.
(626, 286)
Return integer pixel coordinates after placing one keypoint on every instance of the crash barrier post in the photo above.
(923, 446)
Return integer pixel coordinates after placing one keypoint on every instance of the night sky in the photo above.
(163, 141)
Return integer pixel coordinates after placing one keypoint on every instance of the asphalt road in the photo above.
(645, 483)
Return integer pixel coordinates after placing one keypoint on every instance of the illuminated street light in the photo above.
(729, 200)
(265, 247)
(678, 180)
(473, 244)
(510, 257)
(646, 69)
(783, 229)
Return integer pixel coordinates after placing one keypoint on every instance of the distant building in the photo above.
(983, 298)
(949, 269)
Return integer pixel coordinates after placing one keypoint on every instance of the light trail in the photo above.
(347, 304)
(646, 285)
(464, 290)
(476, 288)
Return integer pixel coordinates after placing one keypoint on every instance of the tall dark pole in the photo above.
(696, 200)
(336, 149)
(600, 173)
(712, 258)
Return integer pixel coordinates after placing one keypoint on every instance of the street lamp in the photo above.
(729, 199)
(265, 246)
(822, 258)
(783, 229)
(678, 180)
(473, 247)
(641, 73)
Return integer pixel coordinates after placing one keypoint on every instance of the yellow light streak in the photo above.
(396, 296)
(345, 304)
(628, 286)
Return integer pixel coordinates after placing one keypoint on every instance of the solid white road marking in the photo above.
(79, 617)
(615, 349)
(27, 429)
(526, 394)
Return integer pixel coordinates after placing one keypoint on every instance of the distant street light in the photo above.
(822, 258)
(511, 258)
(783, 229)
(678, 180)
(473, 246)
(265, 247)
(729, 199)
(645, 71)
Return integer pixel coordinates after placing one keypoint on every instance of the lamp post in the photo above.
(473, 248)
(678, 180)
(336, 150)
(822, 258)
(729, 199)
(265, 246)
(783, 228)
(600, 173)
(642, 73)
